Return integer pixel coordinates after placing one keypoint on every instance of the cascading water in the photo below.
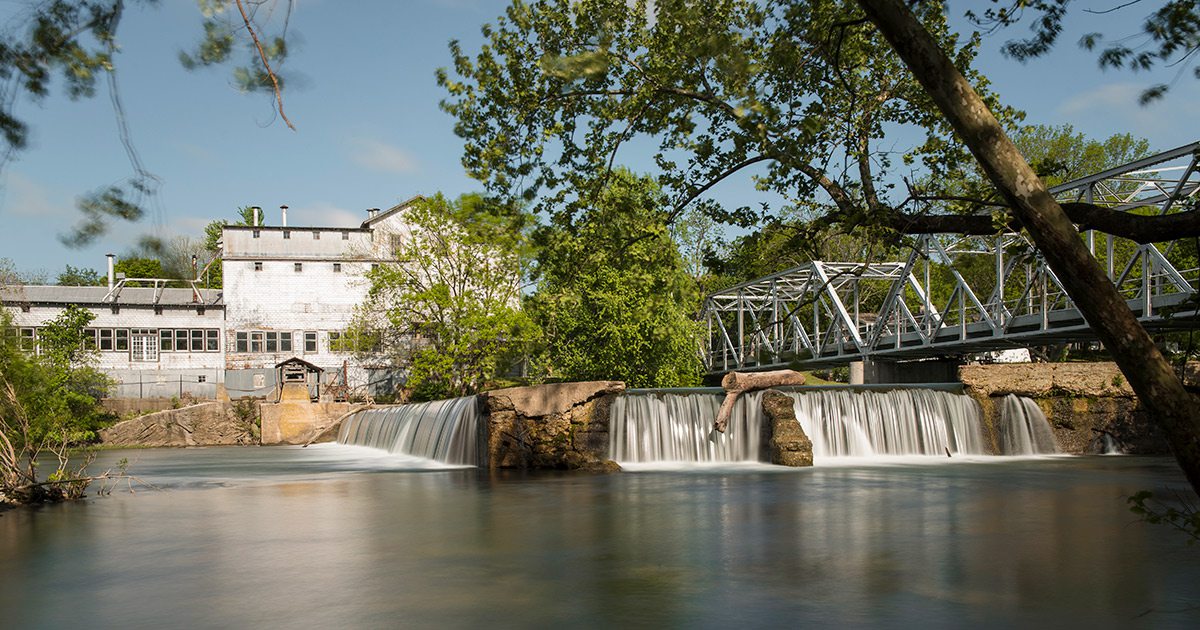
(668, 427)
(659, 427)
(1024, 429)
(442, 430)
(897, 422)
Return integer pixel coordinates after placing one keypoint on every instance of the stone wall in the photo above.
(205, 424)
(558, 426)
(1082, 402)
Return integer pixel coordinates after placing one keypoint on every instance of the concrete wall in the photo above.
(204, 424)
(296, 420)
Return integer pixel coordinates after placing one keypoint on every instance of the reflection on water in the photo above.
(335, 537)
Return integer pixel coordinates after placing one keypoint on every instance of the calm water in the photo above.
(336, 536)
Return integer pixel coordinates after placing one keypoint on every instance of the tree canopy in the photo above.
(800, 93)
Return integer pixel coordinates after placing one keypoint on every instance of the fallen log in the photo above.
(737, 383)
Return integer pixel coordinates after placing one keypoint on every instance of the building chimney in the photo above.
(111, 269)
(371, 212)
(283, 214)
(257, 213)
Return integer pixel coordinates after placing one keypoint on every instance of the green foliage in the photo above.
(48, 402)
(803, 89)
(614, 297)
(1179, 514)
(136, 267)
(80, 277)
(450, 311)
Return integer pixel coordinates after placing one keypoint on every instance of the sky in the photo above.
(369, 130)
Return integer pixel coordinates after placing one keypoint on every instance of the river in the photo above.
(341, 536)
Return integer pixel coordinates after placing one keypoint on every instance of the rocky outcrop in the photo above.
(1084, 403)
(205, 424)
(1036, 380)
(557, 426)
(788, 445)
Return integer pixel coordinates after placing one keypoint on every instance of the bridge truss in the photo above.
(957, 295)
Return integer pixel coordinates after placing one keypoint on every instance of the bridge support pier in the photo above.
(857, 375)
(907, 372)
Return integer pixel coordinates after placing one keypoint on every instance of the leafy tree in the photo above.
(49, 401)
(1147, 371)
(80, 277)
(77, 40)
(614, 297)
(808, 89)
(450, 309)
(138, 267)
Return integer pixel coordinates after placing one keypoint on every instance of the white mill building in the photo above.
(288, 292)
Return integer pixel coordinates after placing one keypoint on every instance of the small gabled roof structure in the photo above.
(300, 362)
(390, 211)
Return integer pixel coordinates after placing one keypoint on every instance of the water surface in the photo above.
(336, 536)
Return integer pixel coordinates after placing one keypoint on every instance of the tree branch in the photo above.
(262, 54)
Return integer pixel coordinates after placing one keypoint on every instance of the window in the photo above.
(298, 266)
(258, 266)
(24, 308)
(272, 341)
(158, 310)
(335, 342)
(285, 342)
(316, 235)
(210, 337)
(256, 341)
(28, 339)
(200, 310)
(181, 341)
(106, 340)
(166, 340)
(243, 343)
(142, 345)
(287, 234)
(374, 266)
(197, 340)
(256, 234)
(310, 341)
(260, 381)
(89, 338)
(397, 242)
(201, 379)
(345, 235)
(121, 339)
(337, 267)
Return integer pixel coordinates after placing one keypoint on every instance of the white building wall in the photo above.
(172, 372)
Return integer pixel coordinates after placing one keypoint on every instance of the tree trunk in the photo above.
(1148, 372)
(736, 383)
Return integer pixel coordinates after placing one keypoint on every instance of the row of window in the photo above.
(316, 234)
(144, 344)
(270, 341)
(298, 267)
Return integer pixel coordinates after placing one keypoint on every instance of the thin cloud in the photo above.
(323, 214)
(383, 157)
(25, 197)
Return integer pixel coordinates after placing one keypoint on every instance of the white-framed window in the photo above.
(337, 267)
(310, 342)
(143, 346)
(258, 266)
(298, 267)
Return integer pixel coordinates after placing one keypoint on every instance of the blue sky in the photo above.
(370, 133)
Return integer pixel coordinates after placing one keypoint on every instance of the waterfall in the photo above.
(669, 427)
(650, 427)
(1024, 429)
(442, 430)
(914, 421)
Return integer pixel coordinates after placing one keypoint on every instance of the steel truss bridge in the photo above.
(957, 295)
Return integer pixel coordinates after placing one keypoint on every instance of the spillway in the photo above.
(1024, 429)
(660, 427)
(447, 431)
